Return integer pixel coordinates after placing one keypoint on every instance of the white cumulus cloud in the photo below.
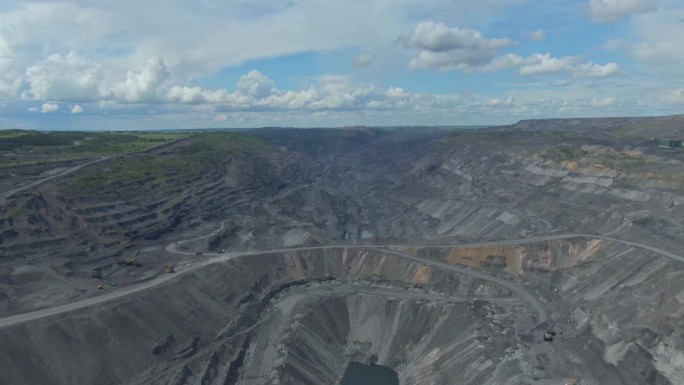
(46, 108)
(607, 11)
(69, 77)
(546, 64)
(445, 48)
(199, 95)
(76, 109)
(597, 70)
(256, 92)
(186, 95)
(467, 50)
(540, 64)
(256, 85)
(9, 86)
(438, 37)
(89, 53)
(142, 86)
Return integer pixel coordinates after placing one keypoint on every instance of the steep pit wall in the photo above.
(200, 327)
(632, 302)
(521, 259)
(424, 342)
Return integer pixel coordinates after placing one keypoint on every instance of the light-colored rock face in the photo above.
(229, 322)
(619, 309)
(414, 337)
(370, 186)
(626, 300)
(520, 259)
(464, 219)
(300, 317)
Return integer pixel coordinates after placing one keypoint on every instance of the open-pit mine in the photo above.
(547, 252)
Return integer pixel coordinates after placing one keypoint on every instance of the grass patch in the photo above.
(15, 132)
(225, 142)
(21, 147)
(557, 134)
(564, 153)
(127, 177)
(140, 173)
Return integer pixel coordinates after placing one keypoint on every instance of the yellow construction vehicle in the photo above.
(170, 269)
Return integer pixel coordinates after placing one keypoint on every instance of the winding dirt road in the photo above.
(9, 193)
(513, 287)
(216, 258)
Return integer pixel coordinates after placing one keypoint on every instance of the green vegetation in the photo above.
(20, 147)
(511, 136)
(632, 164)
(557, 134)
(564, 153)
(127, 176)
(224, 142)
(14, 133)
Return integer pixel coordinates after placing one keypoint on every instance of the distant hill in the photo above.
(660, 126)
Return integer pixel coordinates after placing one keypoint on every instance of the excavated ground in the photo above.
(301, 317)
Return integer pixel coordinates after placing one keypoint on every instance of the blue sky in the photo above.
(125, 64)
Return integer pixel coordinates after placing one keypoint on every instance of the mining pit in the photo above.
(538, 253)
(304, 317)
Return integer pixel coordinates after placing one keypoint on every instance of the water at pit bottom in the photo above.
(360, 374)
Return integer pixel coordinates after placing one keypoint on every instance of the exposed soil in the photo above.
(301, 317)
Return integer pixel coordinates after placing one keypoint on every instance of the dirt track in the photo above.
(218, 258)
(10, 193)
